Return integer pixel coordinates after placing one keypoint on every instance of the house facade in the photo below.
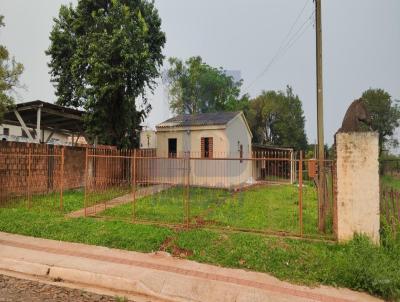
(211, 140)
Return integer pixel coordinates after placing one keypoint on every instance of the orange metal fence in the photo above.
(274, 194)
(390, 207)
(190, 191)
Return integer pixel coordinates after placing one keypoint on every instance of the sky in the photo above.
(361, 47)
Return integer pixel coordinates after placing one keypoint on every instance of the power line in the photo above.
(294, 23)
(295, 39)
(283, 50)
(286, 43)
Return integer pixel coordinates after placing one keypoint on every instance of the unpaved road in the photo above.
(15, 290)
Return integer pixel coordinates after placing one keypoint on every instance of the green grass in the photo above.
(268, 208)
(168, 206)
(358, 265)
(53, 225)
(272, 208)
(72, 200)
(388, 181)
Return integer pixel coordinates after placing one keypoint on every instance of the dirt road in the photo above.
(15, 290)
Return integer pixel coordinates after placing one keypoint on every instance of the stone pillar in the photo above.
(357, 208)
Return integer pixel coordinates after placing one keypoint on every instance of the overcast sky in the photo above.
(361, 47)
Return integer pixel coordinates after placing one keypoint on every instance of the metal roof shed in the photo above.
(41, 115)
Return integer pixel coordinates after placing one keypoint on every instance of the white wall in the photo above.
(15, 134)
(148, 139)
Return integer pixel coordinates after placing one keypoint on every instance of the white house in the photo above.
(218, 144)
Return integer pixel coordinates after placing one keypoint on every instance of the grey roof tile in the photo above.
(201, 119)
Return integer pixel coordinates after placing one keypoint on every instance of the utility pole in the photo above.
(320, 119)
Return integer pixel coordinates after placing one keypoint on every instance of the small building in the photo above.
(220, 136)
(42, 122)
(205, 135)
(148, 139)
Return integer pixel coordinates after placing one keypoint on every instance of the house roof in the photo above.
(201, 119)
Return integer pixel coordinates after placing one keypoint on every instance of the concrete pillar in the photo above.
(357, 208)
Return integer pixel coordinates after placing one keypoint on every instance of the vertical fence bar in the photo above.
(387, 207)
(134, 187)
(187, 201)
(86, 180)
(301, 193)
(29, 175)
(398, 206)
(62, 179)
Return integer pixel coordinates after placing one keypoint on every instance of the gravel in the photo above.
(15, 290)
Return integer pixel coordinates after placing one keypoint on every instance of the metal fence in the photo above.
(263, 193)
(390, 207)
(390, 167)
(259, 194)
(389, 170)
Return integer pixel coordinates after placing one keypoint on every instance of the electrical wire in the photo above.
(286, 43)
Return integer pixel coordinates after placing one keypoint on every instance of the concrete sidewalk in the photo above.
(154, 277)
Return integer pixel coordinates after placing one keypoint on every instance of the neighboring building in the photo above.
(148, 139)
(41, 122)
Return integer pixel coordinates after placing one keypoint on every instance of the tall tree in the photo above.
(10, 71)
(277, 118)
(105, 54)
(385, 115)
(195, 87)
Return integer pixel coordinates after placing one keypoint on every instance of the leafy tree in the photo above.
(385, 115)
(277, 118)
(105, 54)
(10, 71)
(195, 87)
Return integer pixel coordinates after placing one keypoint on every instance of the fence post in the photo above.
(187, 190)
(301, 193)
(62, 178)
(29, 175)
(134, 187)
(86, 180)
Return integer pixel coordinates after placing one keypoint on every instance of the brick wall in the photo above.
(36, 168)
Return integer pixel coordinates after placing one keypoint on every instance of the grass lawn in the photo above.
(271, 208)
(388, 182)
(358, 265)
(168, 205)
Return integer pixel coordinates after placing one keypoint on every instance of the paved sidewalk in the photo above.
(156, 276)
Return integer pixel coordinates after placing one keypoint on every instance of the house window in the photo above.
(207, 147)
(6, 131)
(241, 153)
(172, 147)
(24, 133)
